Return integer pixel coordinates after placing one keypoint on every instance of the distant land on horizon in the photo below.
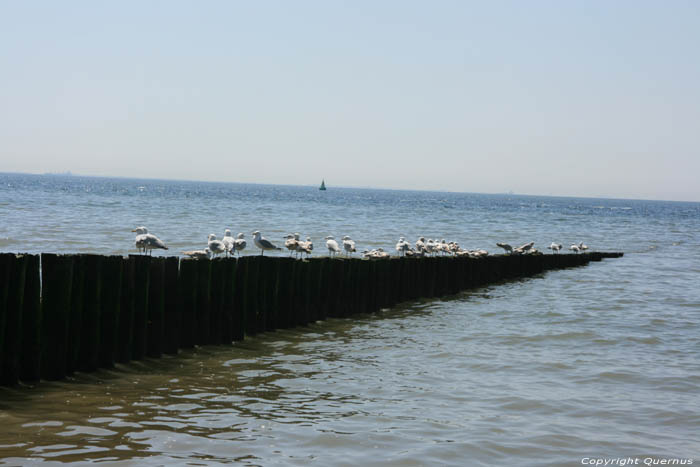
(69, 173)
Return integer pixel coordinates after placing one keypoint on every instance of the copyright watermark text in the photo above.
(621, 461)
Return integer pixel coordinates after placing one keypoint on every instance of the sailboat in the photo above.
(323, 185)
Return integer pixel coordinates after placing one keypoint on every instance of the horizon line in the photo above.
(69, 173)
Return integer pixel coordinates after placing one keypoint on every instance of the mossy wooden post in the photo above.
(56, 286)
(89, 351)
(75, 315)
(228, 310)
(216, 291)
(30, 354)
(203, 302)
(10, 355)
(172, 307)
(126, 312)
(156, 308)
(187, 288)
(110, 303)
(238, 325)
(142, 267)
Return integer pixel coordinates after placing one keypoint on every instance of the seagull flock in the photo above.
(146, 242)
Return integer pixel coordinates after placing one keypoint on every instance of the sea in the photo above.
(597, 365)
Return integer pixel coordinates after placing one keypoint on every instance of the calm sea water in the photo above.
(595, 362)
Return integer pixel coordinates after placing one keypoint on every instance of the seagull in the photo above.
(332, 245)
(583, 247)
(430, 246)
(402, 246)
(505, 246)
(420, 245)
(216, 246)
(292, 243)
(263, 243)
(375, 254)
(198, 254)
(239, 244)
(575, 248)
(228, 241)
(523, 248)
(555, 247)
(146, 242)
(348, 245)
(306, 247)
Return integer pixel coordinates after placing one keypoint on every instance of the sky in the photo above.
(574, 98)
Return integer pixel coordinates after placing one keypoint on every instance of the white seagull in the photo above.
(239, 244)
(523, 248)
(147, 242)
(402, 246)
(263, 243)
(583, 247)
(292, 243)
(555, 247)
(306, 247)
(505, 246)
(575, 248)
(216, 246)
(228, 241)
(332, 245)
(198, 254)
(348, 245)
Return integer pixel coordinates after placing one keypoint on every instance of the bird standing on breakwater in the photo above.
(228, 241)
(147, 242)
(263, 243)
(239, 244)
(292, 243)
(216, 246)
(332, 245)
(348, 245)
(402, 246)
(198, 254)
(506, 247)
(555, 247)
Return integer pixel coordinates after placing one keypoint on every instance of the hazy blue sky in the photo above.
(587, 98)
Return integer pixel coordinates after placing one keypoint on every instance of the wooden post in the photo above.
(203, 307)
(250, 297)
(125, 338)
(156, 308)
(228, 307)
(142, 266)
(172, 312)
(10, 354)
(239, 279)
(216, 321)
(75, 314)
(30, 355)
(285, 292)
(187, 288)
(57, 281)
(110, 300)
(265, 285)
(89, 350)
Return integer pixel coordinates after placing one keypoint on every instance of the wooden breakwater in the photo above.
(65, 313)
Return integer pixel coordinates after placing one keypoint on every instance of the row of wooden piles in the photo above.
(65, 313)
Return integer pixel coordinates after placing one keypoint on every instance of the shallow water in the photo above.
(599, 361)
